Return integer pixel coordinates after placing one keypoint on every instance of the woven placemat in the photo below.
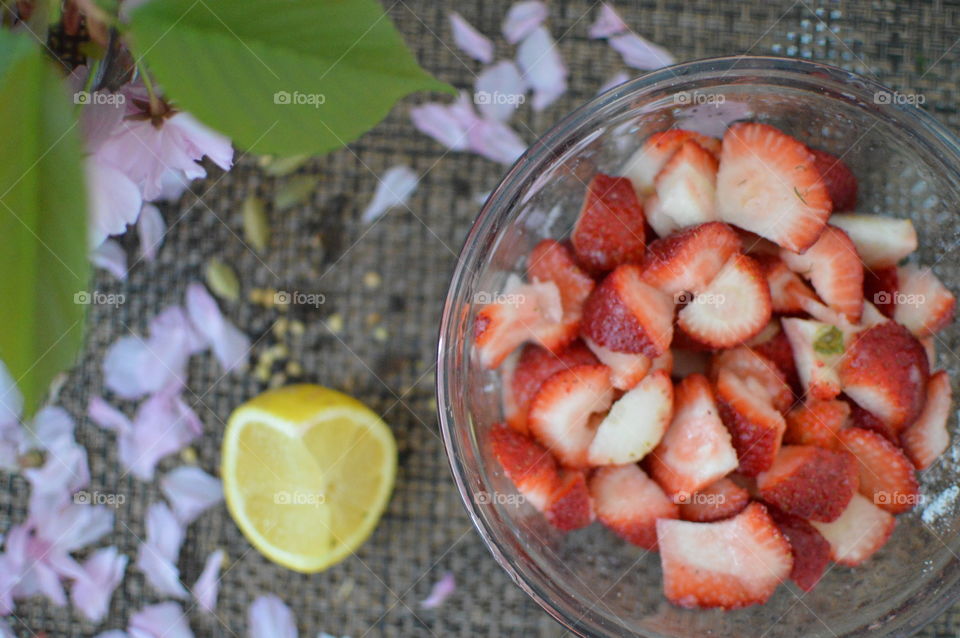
(322, 247)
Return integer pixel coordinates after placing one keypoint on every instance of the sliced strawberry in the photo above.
(635, 424)
(834, 269)
(755, 245)
(717, 501)
(886, 474)
(732, 308)
(686, 190)
(930, 346)
(643, 166)
(696, 449)
(571, 506)
(663, 362)
(728, 564)
(687, 362)
(924, 305)
(610, 229)
(863, 419)
(624, 314)
(810, 482)
(528, 464)
(630, 503)
(788, 293)
(880, 286)
(689, 259)
(777, 349)
(552, 261)
(859, 533)
(816, 422)
(838, 178)
(534, 366)
(885, 371)
(881, 241)
(755, 425)
(927, 438)
(817, 349)
(745, 362)
(811, 551)
(560, 413)
(769, 184)
(626, 370)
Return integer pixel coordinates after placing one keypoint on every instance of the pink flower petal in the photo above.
(439, 122)
(111, 257)
(158, 555)
(163, 424)
(11, 401)
(103, 572)
(543, 69)
(201, 140)
(162, 575)
(393, 189)
(499, 90)
(522, 18)
(150, 229)
(12, 440)
(190, 492)
(206, 588)
(64, 472)
(616, 80)
(114, 201)
(173, 183)
(640, 53)
(50, 424)
(441, 590)
(230, 346)
(72, 527)
(268, 617)
(165, 620)
(108, 417)
(496, 141)
(470, 41)
(608, 23)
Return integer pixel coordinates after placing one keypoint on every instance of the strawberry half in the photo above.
(816, 422)
(777, 349)
(768, 183)
(880, 287)
(817, 350)
(788, 293)
(528, 464)
(858, 533)
(924, 305)
(643, 165)
(885, 371)
(635, 424)
(732, 308)
(561, 414)
(863, 419)
(811, 551)
(927, 438)
(886, 474)
(881, 241)
(686, 190)
(834, 269)
(728, 564)
(626, 370)
(689, 259)
(629, 503)
(745, 362)
(570, 506)
(715, 502)
(552, 261)
(810, 482)
(610, 229)
(756, 427)
(625, 314)
(696, 449)
(838, 178)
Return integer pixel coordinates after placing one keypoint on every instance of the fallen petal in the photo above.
(496, 141)
(102, 573)
(608, 23)
(163, 424)
(499, 90)
(161, 574)
(111, 257)
(522, 18)
(51, 424)
(393, 189)
(63, 472)
(543, 69)
(268, 617)
(72, 527)
(639, 52)
(107, 416)
(439, 122)
(150, 229)
(165, 620)
(230, 346)
(190, 491)
(470, 41)
(441, 590)
(165, 532)
(207, 585)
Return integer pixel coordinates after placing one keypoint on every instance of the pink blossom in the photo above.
(110, 256)
(522, 18)
(539, 59)
(157, 556)
(102, 573)
(230, 346)
(470, 41)
(151, 229)
(164, 620)
(190, 492)
(115, 201)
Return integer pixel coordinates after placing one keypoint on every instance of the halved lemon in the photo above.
(307, 471)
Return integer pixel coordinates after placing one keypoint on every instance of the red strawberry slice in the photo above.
(689, 259)
(768, 183)
(625, 314)
(924, 305)
(562, 413)
(885, 371)
(756, 427)
(552, 261)
(686, 190)
(811, 551)
(715, 502)
(732, 308)
(858, 533)
(927, 438)
(788, 293)
(745, 362)
(643, 166)
(696, 449)
(727, 564)
(528, 464)
(629, 503)
(777, 349)
(865, 420)
(816, 422)
(880, 286)
(610, 229)
(838, 178)
(817, 350)
(810, 482)
(755, 245)
(834, 269)
(626, 370)
(571, 506)
(534, 366)
(886, 474)
(635, 424)
(881, 241)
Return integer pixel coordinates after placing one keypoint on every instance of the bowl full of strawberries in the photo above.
(696, 362)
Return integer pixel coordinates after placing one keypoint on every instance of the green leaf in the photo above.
(43, 226)
(279, 76)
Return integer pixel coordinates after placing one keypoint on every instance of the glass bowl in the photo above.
(908, 165)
